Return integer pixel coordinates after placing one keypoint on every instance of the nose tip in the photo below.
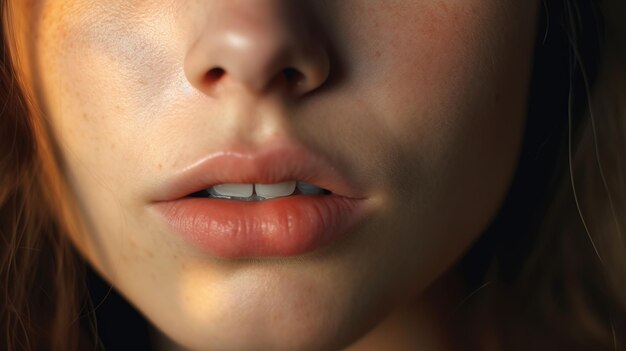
(260, 45)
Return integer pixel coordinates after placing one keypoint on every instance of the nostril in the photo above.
(293, 76)
(214, 74)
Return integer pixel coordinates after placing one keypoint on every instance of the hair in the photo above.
(550, 271)
(42, 275)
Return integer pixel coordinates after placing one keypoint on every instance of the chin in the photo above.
(323, 332)
(265, 318)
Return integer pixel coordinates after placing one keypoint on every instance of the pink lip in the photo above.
(285, 226)
(277, 163)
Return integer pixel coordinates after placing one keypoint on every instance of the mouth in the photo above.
(259, 192)
(279, 201)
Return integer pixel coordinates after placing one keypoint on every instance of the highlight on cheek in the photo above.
(311, 175)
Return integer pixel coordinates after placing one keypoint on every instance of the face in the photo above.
(418, 105)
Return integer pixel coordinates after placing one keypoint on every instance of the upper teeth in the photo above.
(237, 190)
(269, 191)
(265, 191)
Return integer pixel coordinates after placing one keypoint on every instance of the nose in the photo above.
(259, 45)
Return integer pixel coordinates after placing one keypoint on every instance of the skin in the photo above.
(421, 103)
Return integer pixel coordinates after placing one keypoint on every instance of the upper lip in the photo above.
(276, 163)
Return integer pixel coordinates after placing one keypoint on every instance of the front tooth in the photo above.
(309, 189)
(275, 190)
(235, 190)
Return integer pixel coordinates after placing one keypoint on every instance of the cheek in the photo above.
(444, 67)
(454, 88)
(106, 71)
(99, 55)
(444, 91)
(441, 80)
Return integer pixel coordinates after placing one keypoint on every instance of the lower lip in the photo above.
(286, 226)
